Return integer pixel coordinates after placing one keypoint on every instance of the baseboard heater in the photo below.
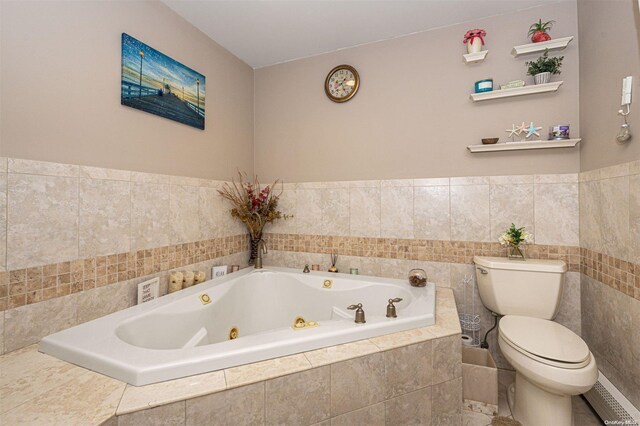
(611, 405)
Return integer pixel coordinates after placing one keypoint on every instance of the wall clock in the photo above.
(342, 83)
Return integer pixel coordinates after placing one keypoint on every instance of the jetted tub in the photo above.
(188, 332)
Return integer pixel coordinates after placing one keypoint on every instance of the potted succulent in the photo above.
(538, 31)
(542, 68)
(474, 40)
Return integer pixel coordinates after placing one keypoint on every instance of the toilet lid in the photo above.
(545, 339)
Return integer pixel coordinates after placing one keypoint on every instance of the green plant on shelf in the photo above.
(545, 64)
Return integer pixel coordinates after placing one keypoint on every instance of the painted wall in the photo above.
(412, 116)
(609, 51)
(60, 91)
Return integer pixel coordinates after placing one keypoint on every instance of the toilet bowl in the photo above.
(552, 363)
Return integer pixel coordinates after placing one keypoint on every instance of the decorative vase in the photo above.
(515, 252)
(474, 45)
(542, 78)
(254, 246)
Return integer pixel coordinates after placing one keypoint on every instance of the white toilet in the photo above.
(552, 363)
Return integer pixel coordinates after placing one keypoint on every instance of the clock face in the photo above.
(342, 83)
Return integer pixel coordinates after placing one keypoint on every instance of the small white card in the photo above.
(218, 271)
(148, 290)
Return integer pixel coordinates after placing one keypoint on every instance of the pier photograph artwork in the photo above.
(155, 83)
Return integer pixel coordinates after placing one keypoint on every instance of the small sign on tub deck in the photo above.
(218, 271)
(148, 290)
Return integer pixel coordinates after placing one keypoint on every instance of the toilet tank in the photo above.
(531, 287)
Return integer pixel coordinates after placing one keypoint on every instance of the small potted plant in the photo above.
(512, 238)
(474, 40)
(542, 68)
(538, 31)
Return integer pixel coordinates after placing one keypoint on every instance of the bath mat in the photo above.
(504, 421)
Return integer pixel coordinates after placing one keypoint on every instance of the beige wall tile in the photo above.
(615, 217)
(31, 167)
(185, 214)
(210, 213)
(437, 272)
(287, 205)
(141, 177)
(431, 182)
(232, 226)
(511, 204)
(373, 415)
(30, 323)
(470, 180)
(309, 211)
(634, 218)
(569, 313)
(470, 217)
(42, 220)
(105, 174)
(3, 221)
(335, 211)
(165, 415)
(431, 213)
(3, 164)
(561, 178)
(102, 301)
(104, 218)
(557, 214)
(447, 359)
(511, 180)
(301, 398)
(150, 216)
(590, 212)
(409, 368)
(364, 212)
(413, 408)
(240, 406)
(446, 403)
(357, 383)
(396, 212)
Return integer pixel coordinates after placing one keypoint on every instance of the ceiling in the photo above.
(267, 32)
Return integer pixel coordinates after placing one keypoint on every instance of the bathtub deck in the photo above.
(39, 389)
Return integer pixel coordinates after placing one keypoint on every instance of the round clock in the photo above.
(342, 83)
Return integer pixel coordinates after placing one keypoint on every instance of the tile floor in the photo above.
(583, 414)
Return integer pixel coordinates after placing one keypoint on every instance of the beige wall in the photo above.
(609, 51)
(60, 91)
(412, 116)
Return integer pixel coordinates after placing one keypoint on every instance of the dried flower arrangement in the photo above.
(254, 205)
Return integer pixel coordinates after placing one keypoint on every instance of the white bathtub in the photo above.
(177, 335)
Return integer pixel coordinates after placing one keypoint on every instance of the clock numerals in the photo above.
(342, 83)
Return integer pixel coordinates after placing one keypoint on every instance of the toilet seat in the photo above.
(545, 341)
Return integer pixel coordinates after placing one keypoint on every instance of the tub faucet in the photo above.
(359, 313)
(391, 309)
(262, 249)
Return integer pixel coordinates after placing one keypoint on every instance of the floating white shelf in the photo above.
(518, 91)
(524, 49)
(517, 146)
(475, 57)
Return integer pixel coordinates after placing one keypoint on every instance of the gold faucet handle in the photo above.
(396, 300)
(352, 307)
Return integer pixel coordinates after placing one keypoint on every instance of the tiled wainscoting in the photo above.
(610, 237)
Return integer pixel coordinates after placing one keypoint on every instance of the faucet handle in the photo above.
(396, 300)
(352, 307)
(359, 313)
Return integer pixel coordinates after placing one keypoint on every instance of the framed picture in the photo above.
(155, 83)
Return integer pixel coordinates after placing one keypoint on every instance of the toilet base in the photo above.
(534, 406)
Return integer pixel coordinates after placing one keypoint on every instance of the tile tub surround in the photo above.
(411, 377)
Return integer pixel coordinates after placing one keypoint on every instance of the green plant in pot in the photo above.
(542, 68)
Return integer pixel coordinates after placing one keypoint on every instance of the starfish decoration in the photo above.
(532, 130)
(513, 131)
(521, 129)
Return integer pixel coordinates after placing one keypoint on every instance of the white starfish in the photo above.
(522, 128)
(513, 131)
(533, 130)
